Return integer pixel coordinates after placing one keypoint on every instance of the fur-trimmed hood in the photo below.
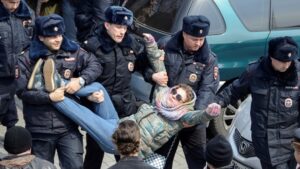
(17, 161)
(23, 12)
(37, 49)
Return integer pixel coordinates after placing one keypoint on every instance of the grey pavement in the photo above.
(109, 160)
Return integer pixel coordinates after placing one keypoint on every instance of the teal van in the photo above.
(239, 33)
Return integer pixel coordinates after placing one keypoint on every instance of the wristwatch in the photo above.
(81, 81)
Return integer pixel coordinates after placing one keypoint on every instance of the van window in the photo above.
(212, 12)
(285, 14)
(159, 14)
(254, 14)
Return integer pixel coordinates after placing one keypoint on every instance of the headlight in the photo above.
(244, 146)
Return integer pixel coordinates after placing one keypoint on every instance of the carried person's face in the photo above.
(11, 5)
(176, 97)
(279, 65)
(116, 32)
(53, 43)
(192, 43)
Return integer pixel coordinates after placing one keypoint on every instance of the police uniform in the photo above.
(50, 129)
(200, 71)
(275, 102)
(119, 62)
(15, 35)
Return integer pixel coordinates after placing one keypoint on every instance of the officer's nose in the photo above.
(286, 64)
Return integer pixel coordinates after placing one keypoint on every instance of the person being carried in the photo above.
(18, 143)
(172, 111)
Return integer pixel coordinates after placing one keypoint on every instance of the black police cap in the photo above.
(118, 15)
(50, 25)
(197, 26)
(284, 49)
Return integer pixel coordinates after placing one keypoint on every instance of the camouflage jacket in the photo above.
(157, 130)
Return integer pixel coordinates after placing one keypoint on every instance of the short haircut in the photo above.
(127, 138)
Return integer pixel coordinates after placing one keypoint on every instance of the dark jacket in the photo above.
(131, 163)
(119, 62)
(25, 162)
(274, 109)
(199, 70)
(16, 30)
(89, 14)
(39, 114)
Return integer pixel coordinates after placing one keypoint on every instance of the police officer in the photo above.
(15, 33)
(118, 52)
(273, 82)
(52, 131)
(189, 60)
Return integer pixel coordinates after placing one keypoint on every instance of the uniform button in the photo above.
(85, 42)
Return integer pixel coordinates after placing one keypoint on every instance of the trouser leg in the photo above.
(93, 155)
(70, 150)
(193, 142)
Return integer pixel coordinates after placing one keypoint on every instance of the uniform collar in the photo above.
(21, 12)
(176, 44)
(38, 50)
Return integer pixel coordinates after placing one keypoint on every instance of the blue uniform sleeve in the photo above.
(208, 86)
(236, 90)
(90, 68)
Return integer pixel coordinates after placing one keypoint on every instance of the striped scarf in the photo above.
(172, 113)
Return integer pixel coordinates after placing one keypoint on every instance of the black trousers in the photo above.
(8, 110)
(94, 154)
(193, 141)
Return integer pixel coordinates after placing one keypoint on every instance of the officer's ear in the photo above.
(106, 25)
(41, 38)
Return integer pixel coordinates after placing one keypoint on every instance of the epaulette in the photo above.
(256, 61)
(82, 49)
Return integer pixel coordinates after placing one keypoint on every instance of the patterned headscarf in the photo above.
(172, 113)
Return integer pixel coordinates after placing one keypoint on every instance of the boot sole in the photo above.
(32, 77)
(48, 72)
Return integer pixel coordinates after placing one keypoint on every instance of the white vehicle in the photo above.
(240, 139)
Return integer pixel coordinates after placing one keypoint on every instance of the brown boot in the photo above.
(36, 80)
(48, 72)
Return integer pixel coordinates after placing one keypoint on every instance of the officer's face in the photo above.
(176, 97)
(192, 43)
(53, 43)
(11, 5)
(279, 65)
(116, 32)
